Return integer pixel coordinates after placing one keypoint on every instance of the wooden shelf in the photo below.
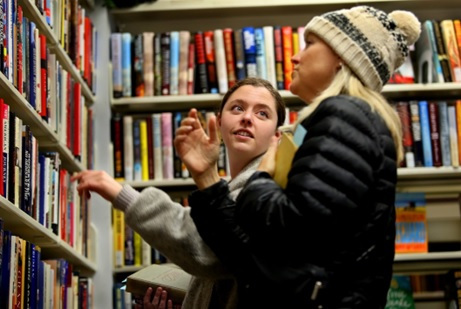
(32, 12)
(46, 137)
(213, 101)
(21, 224)
(128, 269)
(432, 261)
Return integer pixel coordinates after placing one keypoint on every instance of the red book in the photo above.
(287, 43)
(62, 203)
(43, 77)
(403, 109)
(200, 62)
(3, 179)
(210, 61)
(87, 72)
(229, 48)
(20, 84)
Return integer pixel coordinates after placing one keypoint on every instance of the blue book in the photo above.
(174, 63)
(425, 133)
(33, 276)
(126, 64)
(40, 281)
(32, 63)
(260, 53)
(249, 47)
(5, 267)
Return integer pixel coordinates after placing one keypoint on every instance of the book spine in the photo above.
(208, 37)
(116, 56)
(157, 134)
(249, 47)
(452, 125)
(443, 58)
(278, 47)
(444, 133)
(191, 67)
(270, 54)
(167, 145)
(144, 154)
(150, 147)
(287, 43)
(451, 48)
(137, 166)
(126, 64)
(425, 133)
(174, 62)
(148, 62)
(221, 67)
(435, 133)
(138, 60)
(157, 64)
(403, 110)
(229, 48)
(201, 84)
(184, 39)
(261, 67)
(239, 55)
(165, 41)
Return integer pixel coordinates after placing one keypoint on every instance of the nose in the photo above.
(247, 118)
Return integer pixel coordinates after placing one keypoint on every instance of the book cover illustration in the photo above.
(411, 223)
(400, 294)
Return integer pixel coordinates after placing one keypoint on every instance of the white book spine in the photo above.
(148, 63)
(220, 55)
(270, 54)
(452, 127)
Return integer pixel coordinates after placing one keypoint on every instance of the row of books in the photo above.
(181, 62)
(405, 289)
(25, 53)
(129, 248)
(28, 281)
(143, 147)
(431, 132)
(438, 52)
(35, 182)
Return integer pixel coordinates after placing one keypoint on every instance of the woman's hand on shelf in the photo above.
(99, 182)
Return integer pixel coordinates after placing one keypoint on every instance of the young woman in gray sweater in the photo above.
(248, 120)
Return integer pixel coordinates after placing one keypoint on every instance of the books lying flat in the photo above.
(168, 276)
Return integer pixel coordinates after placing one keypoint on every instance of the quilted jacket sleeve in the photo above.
(346, 155)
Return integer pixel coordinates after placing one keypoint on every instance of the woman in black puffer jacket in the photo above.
(326, 240)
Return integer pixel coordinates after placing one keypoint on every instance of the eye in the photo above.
(237, 108)
(263, 114)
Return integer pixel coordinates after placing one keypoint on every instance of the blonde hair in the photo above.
(345, 82)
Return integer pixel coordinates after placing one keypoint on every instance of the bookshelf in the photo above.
(194, 15)
(76, 250)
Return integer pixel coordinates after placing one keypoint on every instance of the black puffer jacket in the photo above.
(333, 226)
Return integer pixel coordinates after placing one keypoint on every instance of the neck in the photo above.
(236, 165)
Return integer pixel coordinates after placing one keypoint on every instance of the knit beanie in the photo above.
(372, 43)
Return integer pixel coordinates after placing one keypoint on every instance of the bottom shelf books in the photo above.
(400, 295)
(168, 276)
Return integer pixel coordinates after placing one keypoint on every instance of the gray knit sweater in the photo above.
(169, 228)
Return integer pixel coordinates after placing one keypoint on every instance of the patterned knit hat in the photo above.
(372, 43)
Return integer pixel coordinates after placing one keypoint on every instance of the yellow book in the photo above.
(168, 276)
(137, 241)
(285, 153)
(144, 152)
(295, 42)
(118, 230)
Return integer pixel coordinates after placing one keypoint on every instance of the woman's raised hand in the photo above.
(197, 150)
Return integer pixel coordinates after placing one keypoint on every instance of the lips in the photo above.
(245, 133)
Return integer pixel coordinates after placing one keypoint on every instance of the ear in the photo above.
(218, 120)
(278, 134)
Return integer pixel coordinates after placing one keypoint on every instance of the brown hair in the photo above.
(259, 82)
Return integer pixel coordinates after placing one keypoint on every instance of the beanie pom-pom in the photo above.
(408, 23)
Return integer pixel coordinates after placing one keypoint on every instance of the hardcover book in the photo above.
(168, 276)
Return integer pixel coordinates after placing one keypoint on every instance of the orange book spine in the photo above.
(229, 48)
(287, 43)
